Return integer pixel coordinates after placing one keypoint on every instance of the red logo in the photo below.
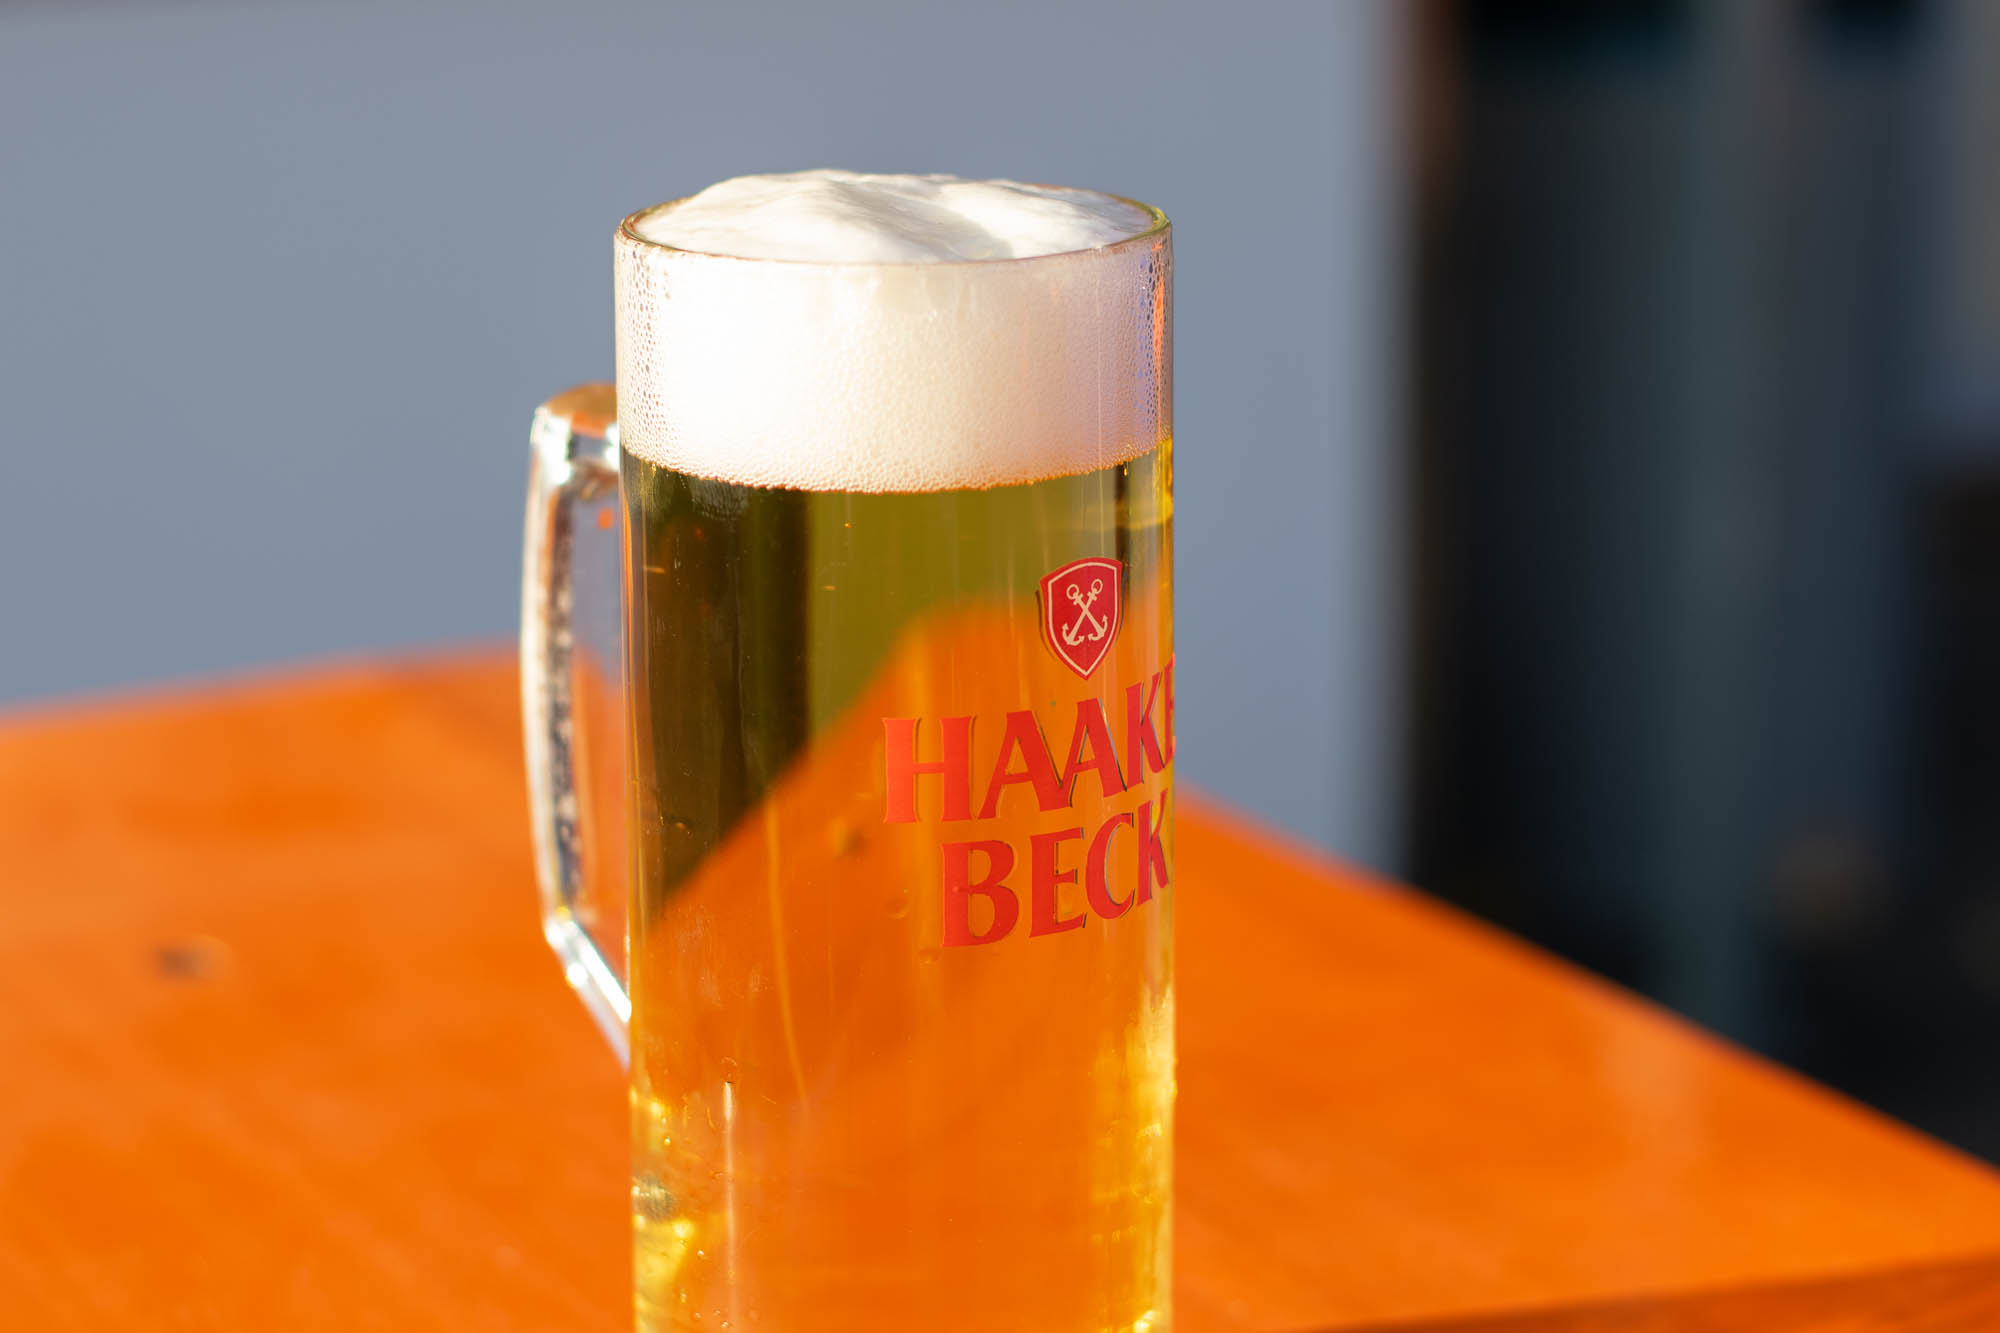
(1080, 611)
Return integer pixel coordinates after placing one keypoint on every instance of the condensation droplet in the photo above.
(843, 837)
(651, 1199)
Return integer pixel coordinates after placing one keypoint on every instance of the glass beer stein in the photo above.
(893, 969)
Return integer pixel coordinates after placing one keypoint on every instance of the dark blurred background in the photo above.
(1589, 506)
(1707, 516)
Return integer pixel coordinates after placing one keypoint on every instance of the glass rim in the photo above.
(1158, 226)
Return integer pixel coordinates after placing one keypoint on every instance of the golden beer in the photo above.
(844, 1120)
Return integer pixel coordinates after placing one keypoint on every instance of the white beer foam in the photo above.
(847, 217)
(836, 331)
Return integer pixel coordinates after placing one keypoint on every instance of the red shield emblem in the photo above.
(1081, 606)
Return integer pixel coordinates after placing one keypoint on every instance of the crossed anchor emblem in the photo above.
(1072, 633)
(1090, 587)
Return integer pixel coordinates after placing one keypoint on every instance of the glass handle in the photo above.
(573, 456)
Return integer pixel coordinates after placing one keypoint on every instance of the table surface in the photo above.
(280, 1048)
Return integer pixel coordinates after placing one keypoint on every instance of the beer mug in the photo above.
(895, 981)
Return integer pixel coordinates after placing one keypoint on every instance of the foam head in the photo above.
(836, 331)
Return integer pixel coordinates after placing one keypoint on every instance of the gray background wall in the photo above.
(280, 285)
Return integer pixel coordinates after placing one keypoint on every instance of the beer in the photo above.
(900, 671)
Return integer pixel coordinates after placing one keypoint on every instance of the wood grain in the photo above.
(1391, 1112)
(280, 1048)
(1945, 1298)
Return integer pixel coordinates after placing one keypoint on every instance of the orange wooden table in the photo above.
(280, 1049)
